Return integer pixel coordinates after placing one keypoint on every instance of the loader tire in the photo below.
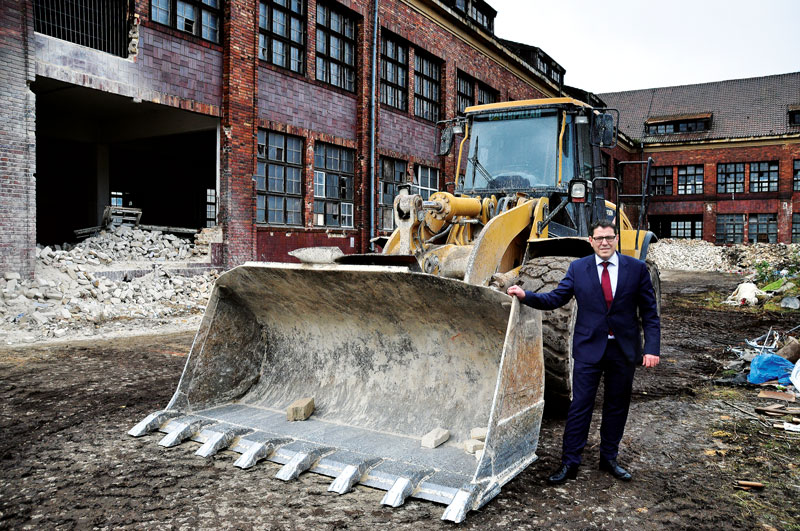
(655, 278)
(544, 274)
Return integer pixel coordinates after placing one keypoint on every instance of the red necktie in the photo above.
(605, 282)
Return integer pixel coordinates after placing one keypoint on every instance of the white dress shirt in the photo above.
(613, 270)
(613, 273)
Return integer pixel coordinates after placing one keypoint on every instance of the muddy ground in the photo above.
(66, 461)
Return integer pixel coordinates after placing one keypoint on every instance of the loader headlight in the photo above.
(577, 190)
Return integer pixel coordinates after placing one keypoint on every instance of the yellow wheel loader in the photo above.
(427, 380)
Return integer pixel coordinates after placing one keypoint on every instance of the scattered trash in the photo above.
(746, 293)
(792, 303)
(750, 484)
(776, 395)
(766, 367)
(790, 350)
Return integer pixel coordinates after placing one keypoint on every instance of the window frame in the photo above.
(326, 61)
(325, 173)
(665, 173)
(200, 7)
(796, 175)
(268, 36)
(764, 178)
(762, 223)
(418, 188)
(689, 171)
(396, 168)
(265, 162)
(733, 177)
(725, 221)
(795, 228)
(394, 87)
(464, 80)
(679, 127)
(426, 79)
(689, 229)
(486, 94)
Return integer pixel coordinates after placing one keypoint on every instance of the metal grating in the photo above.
(99, 24)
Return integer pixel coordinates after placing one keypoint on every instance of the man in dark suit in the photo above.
(609, 288)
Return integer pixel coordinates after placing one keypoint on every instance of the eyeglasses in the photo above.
(606, 238)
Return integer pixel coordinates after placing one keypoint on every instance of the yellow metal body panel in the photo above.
(538, 215)
(628, 242)
(540, 102)
(494, 240)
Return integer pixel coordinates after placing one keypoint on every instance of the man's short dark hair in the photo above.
(605, 224)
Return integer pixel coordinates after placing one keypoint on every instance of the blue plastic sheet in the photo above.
(766, 367)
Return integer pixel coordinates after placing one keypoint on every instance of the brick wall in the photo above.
(168, 69)
(17, 142)
(709, 203)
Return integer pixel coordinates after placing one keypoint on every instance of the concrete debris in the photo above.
(116, 279)
(435, 437)
(478, 433)
(473, 445)
(300, 409)
(700, 255)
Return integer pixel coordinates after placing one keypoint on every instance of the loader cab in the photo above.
(537, 147)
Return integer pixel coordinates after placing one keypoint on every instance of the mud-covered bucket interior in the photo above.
(377, 348)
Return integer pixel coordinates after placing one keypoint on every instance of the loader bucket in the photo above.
(387, 355)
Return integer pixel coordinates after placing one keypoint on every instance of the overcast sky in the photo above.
(616, 45)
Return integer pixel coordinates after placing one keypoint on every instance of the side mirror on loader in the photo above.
(604, 133)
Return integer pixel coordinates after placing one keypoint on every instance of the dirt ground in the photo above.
(66, 461)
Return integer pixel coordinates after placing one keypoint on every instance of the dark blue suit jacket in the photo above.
(634, 292)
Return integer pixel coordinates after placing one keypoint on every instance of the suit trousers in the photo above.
(617, 372)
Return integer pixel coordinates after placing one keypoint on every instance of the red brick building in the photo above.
(727, 157)
(288, 122)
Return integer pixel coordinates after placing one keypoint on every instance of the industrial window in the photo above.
(427, 181)
(661, 179)
(486, 94)
(102, 25)
(393, 174)
(211, 207)
(394, 73)
(796, 185)
(679, 126)
(281, 33)
(116, 199)
(198, 17)
(795, 228)
(690, 180)
(480, 16)
(427, 92)
(333, 186)
(688, 229)
(763, 228)
(465, 92)
(730, 178)
(730, 228)
(336, 47)
(764, 176)
(279, 179)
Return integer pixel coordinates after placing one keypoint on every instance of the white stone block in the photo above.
(473, 445)
(435, 437)
(478, 433)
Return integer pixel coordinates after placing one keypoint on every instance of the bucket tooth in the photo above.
(461, 505)
(351, 474)
(258, 451)
(185, 430)
(403, 487)
(301, 462)
(152, 422)
(219, 440)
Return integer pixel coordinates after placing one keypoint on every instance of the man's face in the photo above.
(603, 247)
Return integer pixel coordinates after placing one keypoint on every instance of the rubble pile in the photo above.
(779, 255)
(123, 243)
(700, 255)
(113, 278)
(688, 255)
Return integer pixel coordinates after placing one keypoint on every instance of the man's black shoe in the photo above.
(611, 466)
(564, 473)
